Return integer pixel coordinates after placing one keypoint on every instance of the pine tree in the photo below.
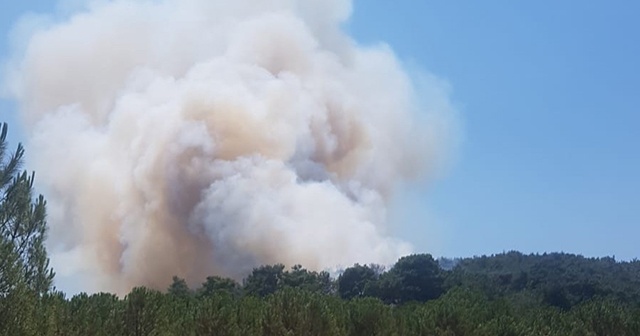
(23, 256)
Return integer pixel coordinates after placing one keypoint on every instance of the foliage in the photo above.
(413, 278)
(556, 279)
(297, 303)
(356, 281)
(264, 280)
(317, 282)
(23, 257)
(179, 288)
(217, 285)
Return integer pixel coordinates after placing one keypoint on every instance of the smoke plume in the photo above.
(202, 137)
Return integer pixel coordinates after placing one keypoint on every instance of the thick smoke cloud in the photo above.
(200, 137)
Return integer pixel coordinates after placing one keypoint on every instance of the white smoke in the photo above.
(202, 137)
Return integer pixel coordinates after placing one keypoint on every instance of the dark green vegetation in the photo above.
(505, 294)
(23, 259)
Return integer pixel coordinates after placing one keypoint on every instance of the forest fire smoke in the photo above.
(199, 137)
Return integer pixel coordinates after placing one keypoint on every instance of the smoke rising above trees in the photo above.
(198, 138)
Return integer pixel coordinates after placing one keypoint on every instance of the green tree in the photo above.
(218, 285)
(369, 316)
(355, 281)
(317, 282)
(17, 311)
(145, 313)
(294, 311)
(264, 280)
(53, 315)
(416, 277)
(217, 315)
(179, 288)
(23, 257)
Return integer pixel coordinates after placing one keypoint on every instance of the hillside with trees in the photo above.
(414, 297)
(504, 294)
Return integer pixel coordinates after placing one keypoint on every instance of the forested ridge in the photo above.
(504, 294)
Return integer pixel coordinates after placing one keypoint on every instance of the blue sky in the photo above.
(547, 93)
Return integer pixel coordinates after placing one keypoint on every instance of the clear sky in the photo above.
(547, 94)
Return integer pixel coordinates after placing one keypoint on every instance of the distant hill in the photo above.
(557, 279)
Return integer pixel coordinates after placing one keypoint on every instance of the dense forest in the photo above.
(505, 294)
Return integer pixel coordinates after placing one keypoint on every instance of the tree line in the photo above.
(363, 300)
(505, 294)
